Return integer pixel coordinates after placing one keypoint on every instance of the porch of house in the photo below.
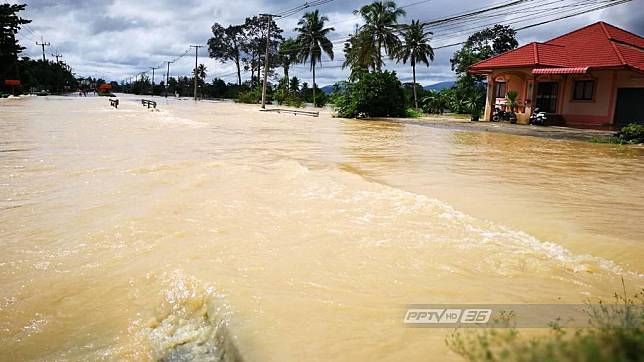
(578, 97)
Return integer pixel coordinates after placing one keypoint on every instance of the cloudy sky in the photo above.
(115, 39)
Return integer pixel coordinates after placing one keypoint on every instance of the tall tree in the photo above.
(225, 45)
(254, 44)
(288, 55)
(201, 73)
(312, 40)
(415, 48)
(360, 55)
(10, 24)
(479, 46)
(380, 29)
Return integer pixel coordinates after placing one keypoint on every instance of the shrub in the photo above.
(412, 113)
(252, 96)
(376, 94)
(632, 133)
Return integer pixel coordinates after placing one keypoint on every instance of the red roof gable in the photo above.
(599, 45)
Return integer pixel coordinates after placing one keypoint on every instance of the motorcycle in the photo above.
(501, 115)
(538, 118)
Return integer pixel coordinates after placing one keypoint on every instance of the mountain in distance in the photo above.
(328, 89)
(439, 86)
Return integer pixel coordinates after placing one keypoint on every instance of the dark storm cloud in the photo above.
(114, 39)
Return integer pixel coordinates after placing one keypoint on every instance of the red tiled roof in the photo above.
(599, 45)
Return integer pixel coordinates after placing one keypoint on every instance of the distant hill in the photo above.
(439, 86)
(328, 89)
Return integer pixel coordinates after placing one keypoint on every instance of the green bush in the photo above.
(376, 94)
(412, 113)
(632, 133)
(252, 96)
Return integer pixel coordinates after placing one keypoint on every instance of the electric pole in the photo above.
(269, 20)
(167, 79)
(43, 44)
(57, 56)
(153, 69)
(196, 60)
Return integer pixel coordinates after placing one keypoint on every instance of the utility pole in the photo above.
(153, 69)
(196, 60)
(167, 79)
(269, 20)
(43, 44)
(57, 56)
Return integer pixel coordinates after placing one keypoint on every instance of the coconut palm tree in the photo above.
(312, 41)
(288, 56)
(415, 48)
(380, 28)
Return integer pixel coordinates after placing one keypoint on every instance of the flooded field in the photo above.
(212, 230)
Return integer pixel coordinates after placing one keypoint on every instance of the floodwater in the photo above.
(212, 230)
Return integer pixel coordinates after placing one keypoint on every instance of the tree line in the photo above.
(34, 75)
(381, 38)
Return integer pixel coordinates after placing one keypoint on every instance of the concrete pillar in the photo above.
(489, 99)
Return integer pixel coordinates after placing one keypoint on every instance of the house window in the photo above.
(583, 90)
(500, 89)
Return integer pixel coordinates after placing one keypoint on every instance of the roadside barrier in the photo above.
(292, 111)
(149, 103)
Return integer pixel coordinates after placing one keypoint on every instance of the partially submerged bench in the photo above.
(114, 103)
(292, 111)
(149, 103)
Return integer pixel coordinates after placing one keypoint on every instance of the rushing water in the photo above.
(212, 230)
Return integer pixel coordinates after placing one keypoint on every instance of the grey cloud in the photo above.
(118, 38)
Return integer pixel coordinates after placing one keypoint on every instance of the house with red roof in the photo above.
(591, 77)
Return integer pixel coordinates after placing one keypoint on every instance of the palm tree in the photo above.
(415, 48)
(380, 28)
(294, 85)
(288, 56)
(312, 41)
(200, 73)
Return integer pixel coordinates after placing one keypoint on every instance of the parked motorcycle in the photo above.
(502, 116)
(538, 118)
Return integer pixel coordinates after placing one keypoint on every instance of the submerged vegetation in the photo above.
(632, 133)
(616, 334)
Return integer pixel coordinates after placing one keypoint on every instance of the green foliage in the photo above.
(288, 98)
(632, 133)
(412, 113)
(617, 334)
(225, 45)
(376, 94)
(253, 96)
(379, 32)
(50, 76)
(415, 48)
(10, 24)
(479, 46)
(435, 102)
(313, 40)
(512, 100)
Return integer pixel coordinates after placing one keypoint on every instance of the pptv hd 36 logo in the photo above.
(442, 317)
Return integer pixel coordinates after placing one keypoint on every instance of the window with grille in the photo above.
(501, 90)
(583, 90)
